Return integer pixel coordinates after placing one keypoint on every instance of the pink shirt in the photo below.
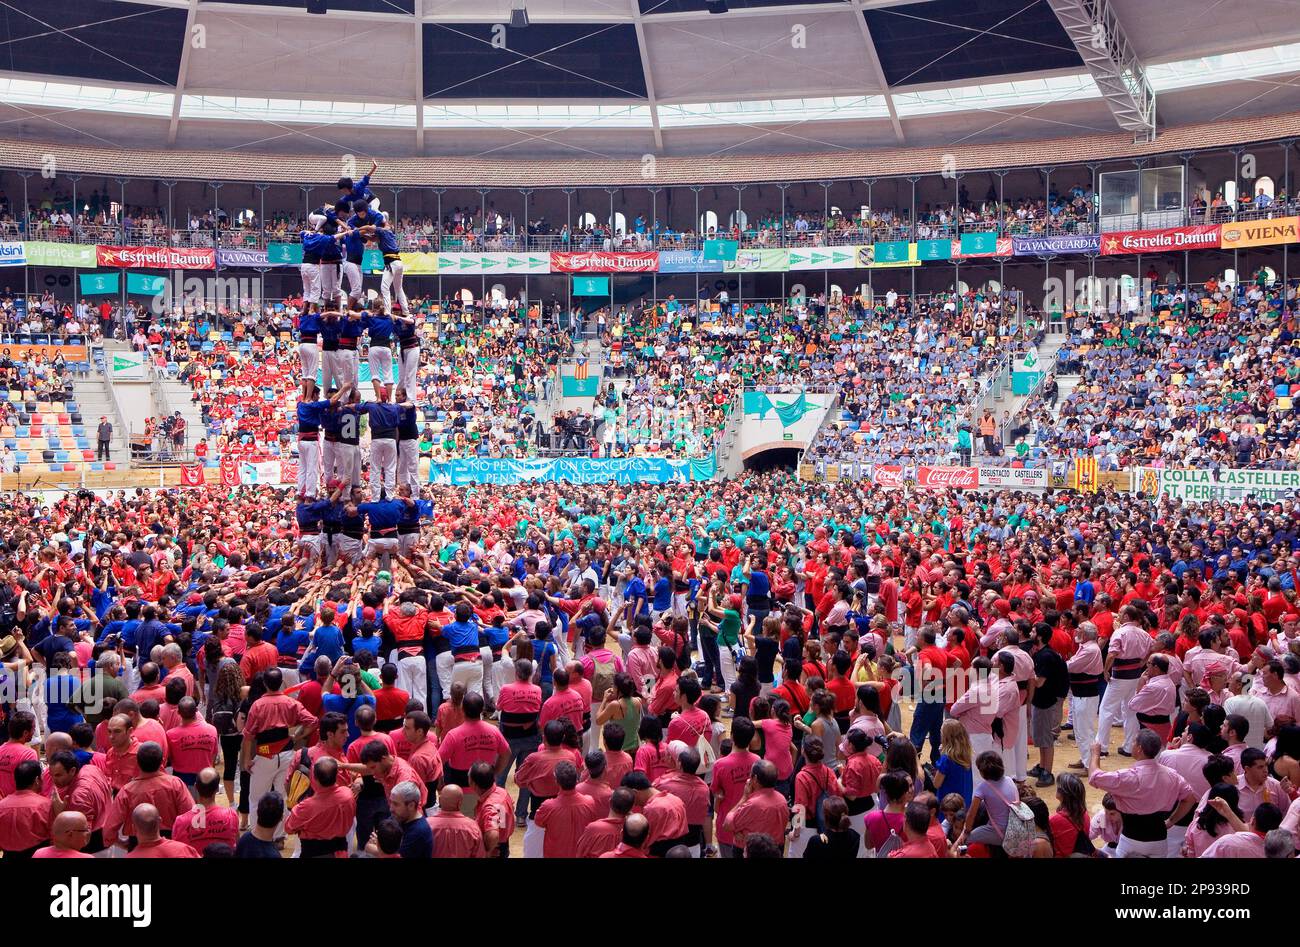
(1087, 660)
(1187, 761)
(654, 761)
(455, 836)
(49, 851)
(537, 773)
(976, 709)
(1237, 845)
(642, 663)
(599, 793)
(1285, 703)
(600, 837)
(689, 726)
(1156, 698)
(473, 741)
(165, 792)
(328, 813)
(565, 818)
(666, 814)
(1144, 788)
(201, 826)
(565, 703)
(730, 774)
(193, 746)
(1129, 642)
(24, 820)
(1248, 799)
(778, 737)
(764, 813)
(91, 795)
(151, 731)
(11, 754)
(163, 848)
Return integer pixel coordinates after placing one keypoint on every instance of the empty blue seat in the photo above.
(96, 466)
(20, 456)
(61, 456)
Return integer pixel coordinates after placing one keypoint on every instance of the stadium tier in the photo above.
(567, 429)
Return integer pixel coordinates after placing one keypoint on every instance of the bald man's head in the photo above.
(56, 742)
(146, 820)
(636, 829)
(449, 798)
(70, 830)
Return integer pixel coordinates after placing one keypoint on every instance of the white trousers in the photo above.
(1022, 745)
(412, 674)
(1128, 848)
(309, 468)
(1114, 709)
(391, 285)
(409, 370)
(268, 773)
(380, 359)
(534, 839)
(329, 282)
(309, 352)
(383, 467)
(469, 673)
(335, 370)
(348, 549)
(1083, 713)
(352, 276)
(982, 743)
(310, 282)
(408, 465)
(345, 463)
(377, 547)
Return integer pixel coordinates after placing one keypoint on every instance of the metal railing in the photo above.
(789, 236)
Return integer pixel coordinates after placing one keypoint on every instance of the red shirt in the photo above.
(11, 754)
(455, 836)
(163, 848)
(328, 813)
(24, 820)
(193, 746)
(564, 818)
(390, 703)
(201, 826)
(473, 741)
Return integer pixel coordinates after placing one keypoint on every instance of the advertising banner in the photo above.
(687, 261)
(13, 254)
(420, 264)
(929, 250)
(1259, 233)
(893, 253)
(1219, 483)
(758, 261)
(191, 475)
(978, 244)
(43, 253)
(284, 254)
(1050, 246)
(98, 284)
(228, 258)
(126, 366)
(143, 284)
(157, 258)
(1160, 241)
(263, 472)
(1013, 478)
(573, 469)
(925, 478)
(819, 258)
(26, 352)
(598, 261)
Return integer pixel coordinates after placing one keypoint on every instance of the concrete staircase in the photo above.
(730, 462)
(1047, 350)
(95, 402)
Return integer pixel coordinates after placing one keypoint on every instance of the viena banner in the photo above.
(157, 258)
(1261, 233)
(601, 262)
(1219, 484)
(1050, 246)
(1160, 241)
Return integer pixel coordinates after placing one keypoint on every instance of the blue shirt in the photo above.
(417, 839)
(348, 707)
(383, 514)
(663, 598)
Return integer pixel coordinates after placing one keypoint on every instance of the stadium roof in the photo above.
(613, 79)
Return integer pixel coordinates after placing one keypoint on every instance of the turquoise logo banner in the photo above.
(474, 470)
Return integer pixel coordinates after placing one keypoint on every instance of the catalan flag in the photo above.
(580, 369)
(1085, 474)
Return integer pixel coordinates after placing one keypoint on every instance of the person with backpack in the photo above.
(813, 785)
(1008, 824)
(599, 664)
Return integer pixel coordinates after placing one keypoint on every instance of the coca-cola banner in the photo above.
(158, 258)
(600, 262)
(1013, 478)
(1160, 241)
(925, 478)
